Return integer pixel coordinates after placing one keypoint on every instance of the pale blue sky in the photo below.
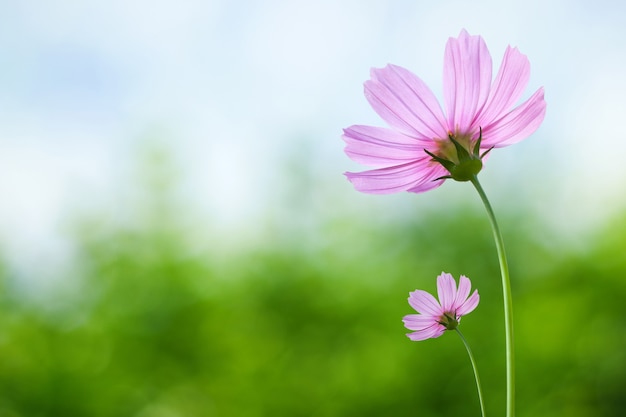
(235, 86)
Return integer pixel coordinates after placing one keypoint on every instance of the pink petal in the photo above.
(404, 177)
(381, 147)
(418, 322)
(507, 88)
(516, 125)
(433, 173)
(405, 102)
(430, 333)
(446, 289)
(469, 305)
(465, 286)
(424, 303)
(466, 79)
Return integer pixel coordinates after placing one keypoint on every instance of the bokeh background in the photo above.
(177, 238)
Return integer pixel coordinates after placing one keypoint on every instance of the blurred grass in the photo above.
(157, 327)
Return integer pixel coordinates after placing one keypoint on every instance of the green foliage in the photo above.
(160, 328)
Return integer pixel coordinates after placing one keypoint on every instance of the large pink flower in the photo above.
(434, 316)
(475, 107)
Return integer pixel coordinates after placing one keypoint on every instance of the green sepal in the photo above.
(449, 321)
(461, 152)
(486, 152)
(477, 145)
(467, 170)
(449, 165)
(468, 165)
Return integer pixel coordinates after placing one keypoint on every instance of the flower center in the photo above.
(447, 149)
(459, 155)
(449, 320)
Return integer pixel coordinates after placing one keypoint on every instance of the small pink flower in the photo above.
(479, 116)
(434, 317)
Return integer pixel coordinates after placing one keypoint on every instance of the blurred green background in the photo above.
(152, 321)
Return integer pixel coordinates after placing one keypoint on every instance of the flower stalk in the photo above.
(508, 301)
(475, 368)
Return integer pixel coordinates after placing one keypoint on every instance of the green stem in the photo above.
(478, 386)
(508, 302)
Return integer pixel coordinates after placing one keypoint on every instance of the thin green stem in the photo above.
(508, 302)
(475, 368)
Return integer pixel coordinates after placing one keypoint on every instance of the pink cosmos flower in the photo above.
(434, 316)
(421, 145)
